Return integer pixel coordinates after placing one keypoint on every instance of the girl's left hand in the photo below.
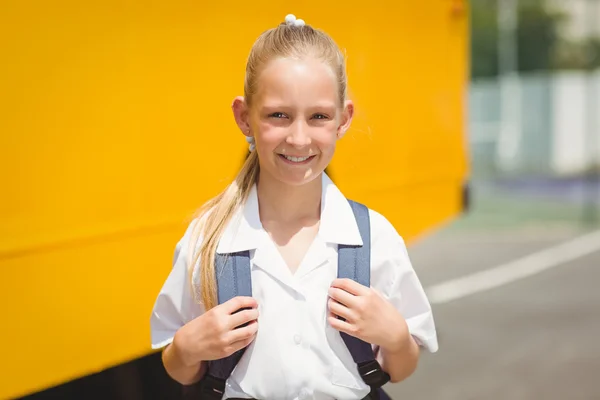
(368, 315)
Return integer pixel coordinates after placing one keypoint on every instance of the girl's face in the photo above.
(296, 119)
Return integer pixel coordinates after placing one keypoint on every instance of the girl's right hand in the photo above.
(217, 333)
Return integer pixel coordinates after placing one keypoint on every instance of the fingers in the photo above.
(236, 346)
(242, 317)
(239, 302)
(342, 326)
(240, 344)
(350, 286)
(341, 310)
(242, 335)
(342, 296)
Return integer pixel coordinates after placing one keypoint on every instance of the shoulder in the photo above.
(385, 239)
(189, 243)
(185, 250)
(382, 231)
(192, 235)
(176, 303)
(393, 275)
(382, 228)
(390, 261)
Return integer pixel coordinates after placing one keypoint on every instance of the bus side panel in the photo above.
(116, 125)
(406, 154)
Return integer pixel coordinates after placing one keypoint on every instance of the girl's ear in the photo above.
(241, 115)
(346, 119)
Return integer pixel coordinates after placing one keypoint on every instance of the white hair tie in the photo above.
(290, 19)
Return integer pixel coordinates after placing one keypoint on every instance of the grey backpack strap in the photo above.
(354, 262)
(233, 275)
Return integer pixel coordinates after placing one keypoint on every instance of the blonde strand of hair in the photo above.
(217, 213)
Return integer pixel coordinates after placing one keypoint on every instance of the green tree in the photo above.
(537, 36)
(593, 53)
(484, 38)
(580, 55)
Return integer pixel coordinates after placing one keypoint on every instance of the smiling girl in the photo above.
(285, 212)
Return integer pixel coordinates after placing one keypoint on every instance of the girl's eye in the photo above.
(277, 115)
(320, 116)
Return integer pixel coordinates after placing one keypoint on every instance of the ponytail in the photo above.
(216, 214)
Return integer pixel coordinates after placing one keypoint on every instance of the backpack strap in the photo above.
(354, 262)
(233, 275)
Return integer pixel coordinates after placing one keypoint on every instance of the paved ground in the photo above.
(536, 338)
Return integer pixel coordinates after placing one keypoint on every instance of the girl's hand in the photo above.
(218, 333)
(368, 315)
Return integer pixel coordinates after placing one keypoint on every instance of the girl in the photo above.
(293, 220)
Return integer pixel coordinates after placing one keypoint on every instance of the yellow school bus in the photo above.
(116, 125)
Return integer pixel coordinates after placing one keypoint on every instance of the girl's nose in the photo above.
(299, 135)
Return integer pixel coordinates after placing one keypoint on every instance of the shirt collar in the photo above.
(244, 231)
(338, 225)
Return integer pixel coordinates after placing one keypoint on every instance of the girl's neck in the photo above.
(284, 203)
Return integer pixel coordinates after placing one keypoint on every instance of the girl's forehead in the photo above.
(297, 79)
(297, 67)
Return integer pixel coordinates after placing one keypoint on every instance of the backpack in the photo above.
(233, 279)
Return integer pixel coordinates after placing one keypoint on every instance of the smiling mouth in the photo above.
(296, 160)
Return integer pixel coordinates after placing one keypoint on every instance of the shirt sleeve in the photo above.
(393, 274)
(174, 305)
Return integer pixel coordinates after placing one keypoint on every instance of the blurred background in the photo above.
(492, 176)
(514, 281)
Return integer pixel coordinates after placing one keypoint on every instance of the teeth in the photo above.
(296, 159)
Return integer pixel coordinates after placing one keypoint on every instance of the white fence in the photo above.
(555, 130)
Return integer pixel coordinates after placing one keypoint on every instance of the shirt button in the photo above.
(297, 339)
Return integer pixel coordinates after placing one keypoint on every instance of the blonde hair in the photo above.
(283, 41)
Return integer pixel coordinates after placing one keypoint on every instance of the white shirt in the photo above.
(296, 354)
